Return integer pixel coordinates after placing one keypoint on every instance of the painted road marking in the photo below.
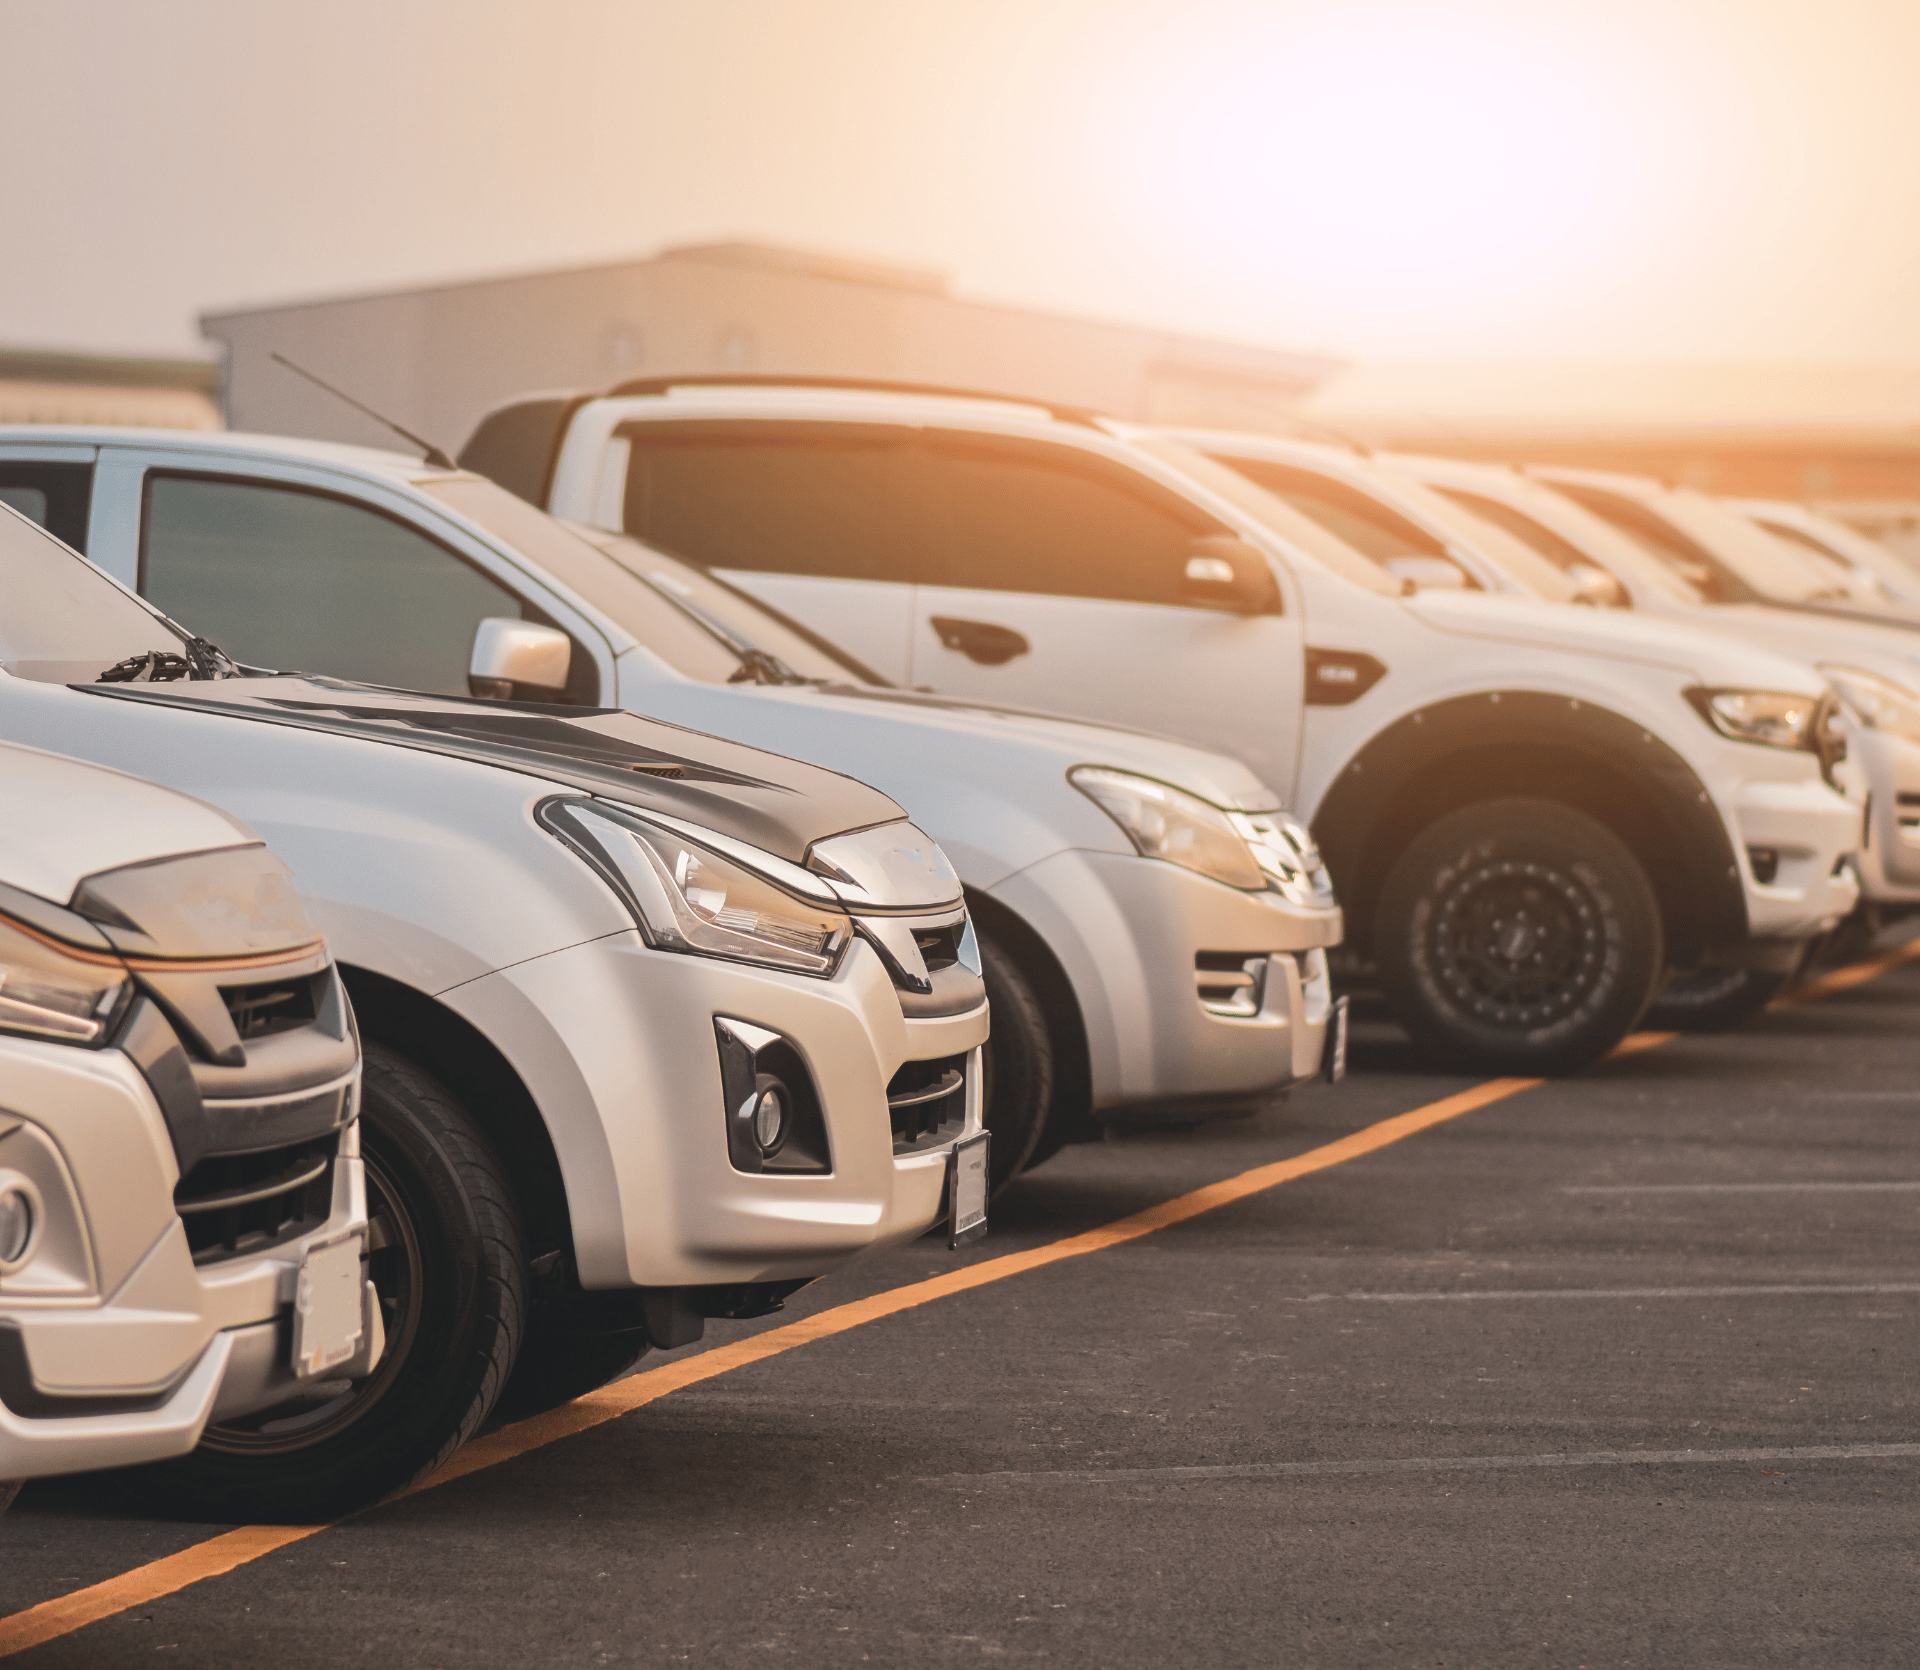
(1732, 1188)
(1437, 1464)
(1776, 1290)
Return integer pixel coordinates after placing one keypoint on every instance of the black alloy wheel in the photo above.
(1017, 1088)
(1518, 936)
(446, 1257)
(1713, 999)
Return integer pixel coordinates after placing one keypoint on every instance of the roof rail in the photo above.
(660, 385)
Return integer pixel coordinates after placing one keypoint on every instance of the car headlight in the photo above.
(1878, 703)
(686, 896)
(1286, 851)
(1771, 718)
(52, 991)
(1168, 823)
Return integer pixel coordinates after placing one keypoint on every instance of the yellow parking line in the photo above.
(219, 1555)
(1845, 979)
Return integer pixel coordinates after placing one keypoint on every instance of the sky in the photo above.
(1382, 179)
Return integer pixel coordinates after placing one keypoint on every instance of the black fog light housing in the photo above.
(774, 1119)
(20, 1218)
(1765, 864)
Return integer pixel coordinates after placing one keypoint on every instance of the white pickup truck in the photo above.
(657, 1028)
(1528, 810)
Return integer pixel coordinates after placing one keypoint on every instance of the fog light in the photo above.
(770, 1116)
(1765, 864)
(19, 1220)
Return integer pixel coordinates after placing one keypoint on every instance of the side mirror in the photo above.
(1229, 573)
(1596, 587)
(517, 659)
(1426, 573)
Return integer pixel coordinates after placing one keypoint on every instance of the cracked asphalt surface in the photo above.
(1327, 1425)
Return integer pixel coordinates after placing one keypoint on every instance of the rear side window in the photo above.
(304, 582)
(1026, 517)
(772, 498)
(54, 495)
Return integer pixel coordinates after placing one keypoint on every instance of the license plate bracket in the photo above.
(967, 1190)
(328, 1316)
(1333, 1053)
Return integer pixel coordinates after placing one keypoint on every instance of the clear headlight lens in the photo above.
(1771, 718)
(686, 897)
(1166, 823)
(48, 991)
(1878, 703)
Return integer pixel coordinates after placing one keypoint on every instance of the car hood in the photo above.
(779, 805)
(1892, 651)
(1563, 627)
(62, 820)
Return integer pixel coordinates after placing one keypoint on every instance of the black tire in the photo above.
(1518, 936)
(9, 1488)
(447, 1258)
(1019, 1065)
(555, 1368)
(1713, 999)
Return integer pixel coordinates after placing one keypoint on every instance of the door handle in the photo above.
(980, 640)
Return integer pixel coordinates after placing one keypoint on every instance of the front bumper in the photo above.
(616, 1042)
(1890, 848)
(1138, 938)
(115, 1348)
(1801, 835)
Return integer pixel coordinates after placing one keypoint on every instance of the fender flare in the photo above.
(1505, 742)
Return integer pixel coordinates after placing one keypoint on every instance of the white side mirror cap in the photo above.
(518, 657)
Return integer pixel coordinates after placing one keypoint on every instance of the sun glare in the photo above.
(1386, 159)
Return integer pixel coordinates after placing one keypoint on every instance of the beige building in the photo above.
(37, 387)
(436, 359)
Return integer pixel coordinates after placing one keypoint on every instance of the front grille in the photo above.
(1229, 982)
(272, 1006)
(242, 1203)
(927, 1103)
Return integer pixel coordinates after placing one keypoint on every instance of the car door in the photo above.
(290, 575)
(804, 515)
(1053, 579)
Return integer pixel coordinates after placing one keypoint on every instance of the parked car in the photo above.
(1485, 518)
(1877, 567)
(1723, 555)
(1873, 665)
(183, 1228)
(1527, 810)
(657, 1028)
(1152, 925)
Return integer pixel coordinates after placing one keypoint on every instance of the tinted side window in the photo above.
(1029, 517)
(1345, 512)
(300, 581)
(54, 495)
(775, 498)
(1715, 582)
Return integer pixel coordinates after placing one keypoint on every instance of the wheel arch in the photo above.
(1525, 742)
(468, 1062)
(1066, 1025)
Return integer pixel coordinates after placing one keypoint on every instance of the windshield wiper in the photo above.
(757, 665)
(203, 659)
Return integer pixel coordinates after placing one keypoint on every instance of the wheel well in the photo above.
(1547, 748)
(1066, 1028)
(464, 1059)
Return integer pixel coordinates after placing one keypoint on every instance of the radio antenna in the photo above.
(429, 452)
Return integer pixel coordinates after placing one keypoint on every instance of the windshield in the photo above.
(1515, 558)
(62, 621)
(659, 599)
(1600, 545)
(1273, 514)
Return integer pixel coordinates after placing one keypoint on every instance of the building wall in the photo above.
(435, 360)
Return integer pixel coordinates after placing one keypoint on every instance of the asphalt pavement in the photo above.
(1618, 1370)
